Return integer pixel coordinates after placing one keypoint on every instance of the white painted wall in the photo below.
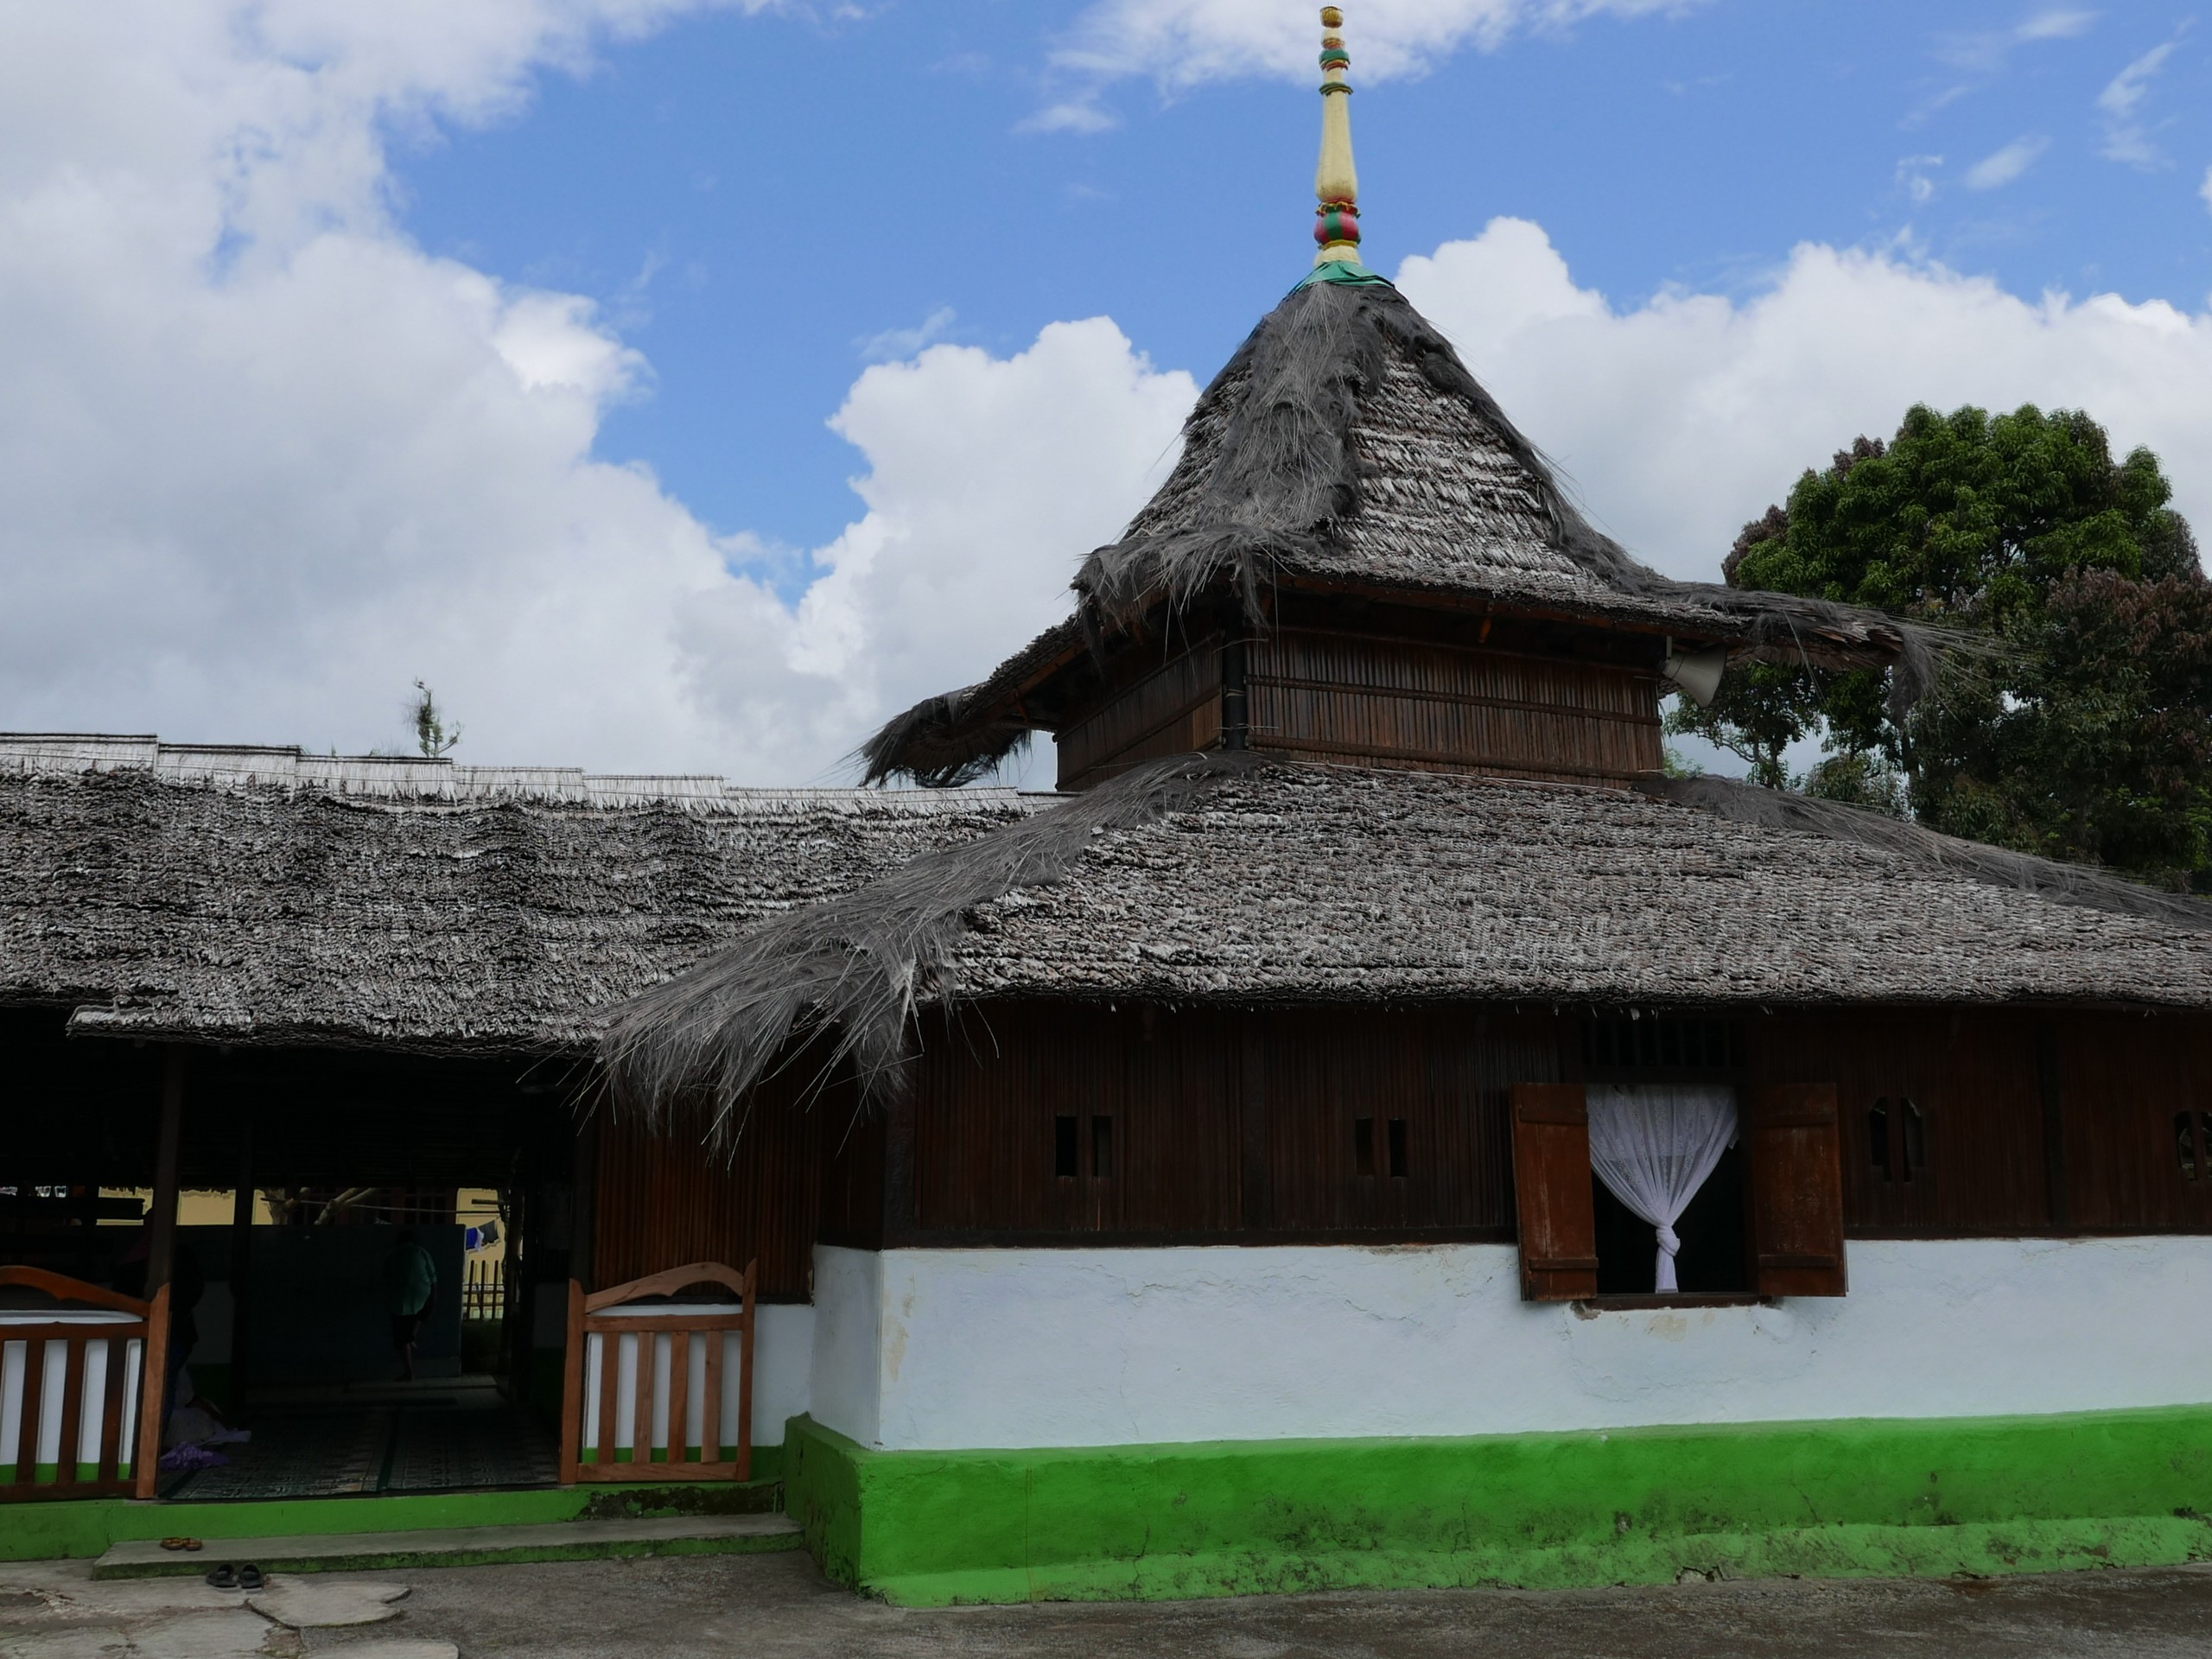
(947, 1349)
(847, 1388)
(783, 1368)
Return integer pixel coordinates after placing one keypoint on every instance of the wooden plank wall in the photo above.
(1173, 709)
(1327, 694)
(2124, 1080)
(667, 1199)
(1221, 1122)
(1332, 695)
(1245, 1122)
(1972, 1078)
(1981, 1082)
(1245, 1125)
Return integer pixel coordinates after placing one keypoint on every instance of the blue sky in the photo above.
(691, 385)
(762, 204)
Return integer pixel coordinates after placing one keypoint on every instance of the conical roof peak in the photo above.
(1345, 439)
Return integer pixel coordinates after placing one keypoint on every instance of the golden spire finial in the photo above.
(1336, 182)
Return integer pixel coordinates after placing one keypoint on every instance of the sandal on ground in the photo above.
(252, 1578)
(224, 1577)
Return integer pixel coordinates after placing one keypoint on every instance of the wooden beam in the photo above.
(572, 1387)
(153, 1409)
(241, 1208)
(161, 1256)
(583, 1204)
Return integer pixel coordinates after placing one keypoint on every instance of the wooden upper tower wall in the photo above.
(1382, 686)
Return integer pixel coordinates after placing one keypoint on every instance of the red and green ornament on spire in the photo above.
(1336, 182)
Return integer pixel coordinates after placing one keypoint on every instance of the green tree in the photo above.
(2078, 722)
(434, 735)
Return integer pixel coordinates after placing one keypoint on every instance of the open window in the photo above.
(1793, 1185)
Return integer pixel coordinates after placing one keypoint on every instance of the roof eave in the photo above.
(948, 738)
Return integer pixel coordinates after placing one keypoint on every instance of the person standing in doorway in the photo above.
(413, 1279)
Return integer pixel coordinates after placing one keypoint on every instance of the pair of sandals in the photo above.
(247, 1577)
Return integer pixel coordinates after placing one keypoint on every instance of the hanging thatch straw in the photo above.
(859, 967)
(1240, 880)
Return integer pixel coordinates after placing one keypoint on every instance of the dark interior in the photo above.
(1711, 1262)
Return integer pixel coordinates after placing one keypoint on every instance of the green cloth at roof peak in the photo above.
(1342, 271)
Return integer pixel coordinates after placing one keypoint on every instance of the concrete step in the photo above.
(563, 1540)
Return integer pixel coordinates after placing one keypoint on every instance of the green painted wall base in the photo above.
(48, 1529)
(1979, 1495)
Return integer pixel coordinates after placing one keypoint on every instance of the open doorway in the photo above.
(295, 1174)
(313, 1372)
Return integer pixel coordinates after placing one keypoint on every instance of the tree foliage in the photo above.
(2078, 722)
(434, 734)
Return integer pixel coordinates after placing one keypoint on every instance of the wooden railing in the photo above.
(484, 1290)
(652, 1378)
(106, 1400)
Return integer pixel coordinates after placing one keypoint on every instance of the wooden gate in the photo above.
(653, 1379)
(81, 1389)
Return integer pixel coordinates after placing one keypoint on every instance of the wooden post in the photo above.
(242, 1207)
(745, 1371)
(572, 1394)
(153, 1371)
(583, 1204)
(161, 1261)
(161, 1255)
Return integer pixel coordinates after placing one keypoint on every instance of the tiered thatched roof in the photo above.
(268, 896)
(1346, 447)
(1238, 879)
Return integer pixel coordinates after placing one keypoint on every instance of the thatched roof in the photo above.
(1239, 880)
(268, 896)
(1345, 446)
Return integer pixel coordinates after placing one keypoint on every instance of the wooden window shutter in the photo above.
(1794, 1139)
(1551, 1187)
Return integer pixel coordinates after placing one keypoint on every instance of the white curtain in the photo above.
(1654, 1144)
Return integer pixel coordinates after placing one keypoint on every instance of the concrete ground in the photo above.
(779, 1607)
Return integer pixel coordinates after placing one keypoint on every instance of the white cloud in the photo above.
(2121, 105)
(894, 343)
(988, 480)
(1995, 171)
(2056, 23)
(1985, 52)
(266, 462)
(1083, 113)
(2205, 189)
(1184, 42)
(1913, 178)
(1680, 419)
